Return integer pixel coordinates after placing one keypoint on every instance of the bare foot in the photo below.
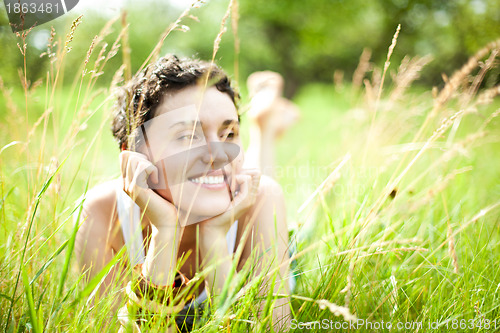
(273, 113)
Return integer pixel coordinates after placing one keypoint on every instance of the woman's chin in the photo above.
(201, 203)
(205, 210)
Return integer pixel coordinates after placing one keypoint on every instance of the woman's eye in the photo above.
(187, 137)
(229, 136)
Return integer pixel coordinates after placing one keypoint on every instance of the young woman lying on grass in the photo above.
(184, 200)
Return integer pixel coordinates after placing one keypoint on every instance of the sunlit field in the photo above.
(392, 192)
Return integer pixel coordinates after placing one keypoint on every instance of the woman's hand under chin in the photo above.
(136, 169)
(247, 185)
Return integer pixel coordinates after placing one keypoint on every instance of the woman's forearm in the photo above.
(213, 250)
(161, 259)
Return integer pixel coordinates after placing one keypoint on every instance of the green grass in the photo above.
(402, 234)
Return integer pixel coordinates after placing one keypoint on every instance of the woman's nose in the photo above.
(216, 155)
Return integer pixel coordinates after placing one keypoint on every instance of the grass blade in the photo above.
(71, 247)
(31, 304)
(47, 264)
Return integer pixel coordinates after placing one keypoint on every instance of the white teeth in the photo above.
(208, 180)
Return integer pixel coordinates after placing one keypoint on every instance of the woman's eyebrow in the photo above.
(230, 122)
(187, 124)
(226, 123)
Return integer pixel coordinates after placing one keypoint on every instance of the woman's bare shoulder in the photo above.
(268, 187)
(270, 201)
(98, 231)
(100, 201)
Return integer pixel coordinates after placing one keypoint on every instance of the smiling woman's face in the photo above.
(194, 142)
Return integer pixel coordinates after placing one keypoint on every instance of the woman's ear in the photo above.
(124, 146)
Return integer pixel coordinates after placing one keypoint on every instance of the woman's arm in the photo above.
(99, 230)
(95, 238)
(161, 259)
(268, 241)
(260, 206)
(213, 250)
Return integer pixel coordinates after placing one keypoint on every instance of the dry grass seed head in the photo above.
(459, 76)
(364, 66)
(71, 34)
(408, 71)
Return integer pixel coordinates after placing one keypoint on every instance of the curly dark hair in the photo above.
(139, 97)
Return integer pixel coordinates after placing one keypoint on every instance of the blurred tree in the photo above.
(307, 41)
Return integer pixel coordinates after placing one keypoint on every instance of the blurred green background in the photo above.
(304, 41)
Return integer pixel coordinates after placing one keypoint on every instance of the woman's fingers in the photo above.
(140, 175)
(242, 182)
(136, 169)
(153, 173)
(133, 164)
(248, 183)
(255, 182)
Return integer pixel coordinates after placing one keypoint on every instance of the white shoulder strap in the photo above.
(129, 215)
(231, 237)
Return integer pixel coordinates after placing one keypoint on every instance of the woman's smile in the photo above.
(212, 181)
